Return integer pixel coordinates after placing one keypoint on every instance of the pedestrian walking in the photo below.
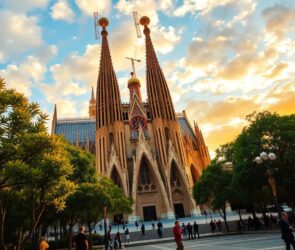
(80, 240)
(160, 229)
(189, 231)
(286, 230)
(184, 230)
(43, 244)
(196, 230)
(177, 236)
(127, 236)
(136, 224)
(142, 230)
(153, 225)
(212, 226)
(219, 226)
(118, 240)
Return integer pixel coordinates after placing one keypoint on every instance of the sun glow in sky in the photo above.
(222, 59)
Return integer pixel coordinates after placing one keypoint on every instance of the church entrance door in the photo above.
(149, 213)
(179, 210)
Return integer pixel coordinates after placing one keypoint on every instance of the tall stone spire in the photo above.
(157, 88)
(92, 105)
(163, 115)
(110, 132)
(108, 101)
(54, 120)
(92, 94)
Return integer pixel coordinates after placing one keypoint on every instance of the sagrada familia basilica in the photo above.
(151, 152)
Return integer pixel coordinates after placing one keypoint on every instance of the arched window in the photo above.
(111, 138)
(174, 176)
(145, 175)
(115, 177)
(167, 135)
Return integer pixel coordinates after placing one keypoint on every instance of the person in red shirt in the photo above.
(177, 235)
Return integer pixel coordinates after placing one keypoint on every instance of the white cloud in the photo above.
(66, 108)
(19, 33)
(24, 5)
(89, 6)
(23, 77)
(144, 8)
(165, 38)
(62, 11)
(280, 20)
(74, 76)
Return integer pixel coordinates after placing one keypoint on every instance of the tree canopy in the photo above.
(34, 168)
(44, 179)
(246, 185)
(213, 188)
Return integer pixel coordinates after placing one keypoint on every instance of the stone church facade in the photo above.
(146, 148)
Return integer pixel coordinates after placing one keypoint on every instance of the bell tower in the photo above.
(165, 125)
(110, 134)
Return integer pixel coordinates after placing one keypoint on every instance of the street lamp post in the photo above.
(271, 180)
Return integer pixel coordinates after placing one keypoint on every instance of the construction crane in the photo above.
(96, 26)
(132, 62)
(136, 22)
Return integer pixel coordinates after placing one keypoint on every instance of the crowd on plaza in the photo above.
(188, 231)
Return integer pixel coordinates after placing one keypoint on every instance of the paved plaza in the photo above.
(257, 241)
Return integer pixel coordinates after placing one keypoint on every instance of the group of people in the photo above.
(80, 241)
(184, 232)
(215, 226)
(286, 227)
(264, 222)
(159, 228)
(190, 231)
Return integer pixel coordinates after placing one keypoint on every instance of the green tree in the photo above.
(34, 168)
(213, 189)
(84, 172)
(267, 132)
(96, 196)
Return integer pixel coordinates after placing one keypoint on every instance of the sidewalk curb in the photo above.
(171, 239)
(210, 235)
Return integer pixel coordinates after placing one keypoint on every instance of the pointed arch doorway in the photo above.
(115, 177)
(180, 196)
(150, 202)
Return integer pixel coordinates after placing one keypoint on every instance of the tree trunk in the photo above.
(36, 221)
(2, 221)
(223, 215)
(70, 238)
(225, 220)
(90, 236)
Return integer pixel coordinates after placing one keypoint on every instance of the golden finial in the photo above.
(144, 20)
(103, 22)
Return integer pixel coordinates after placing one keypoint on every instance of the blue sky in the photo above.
(222, 59)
